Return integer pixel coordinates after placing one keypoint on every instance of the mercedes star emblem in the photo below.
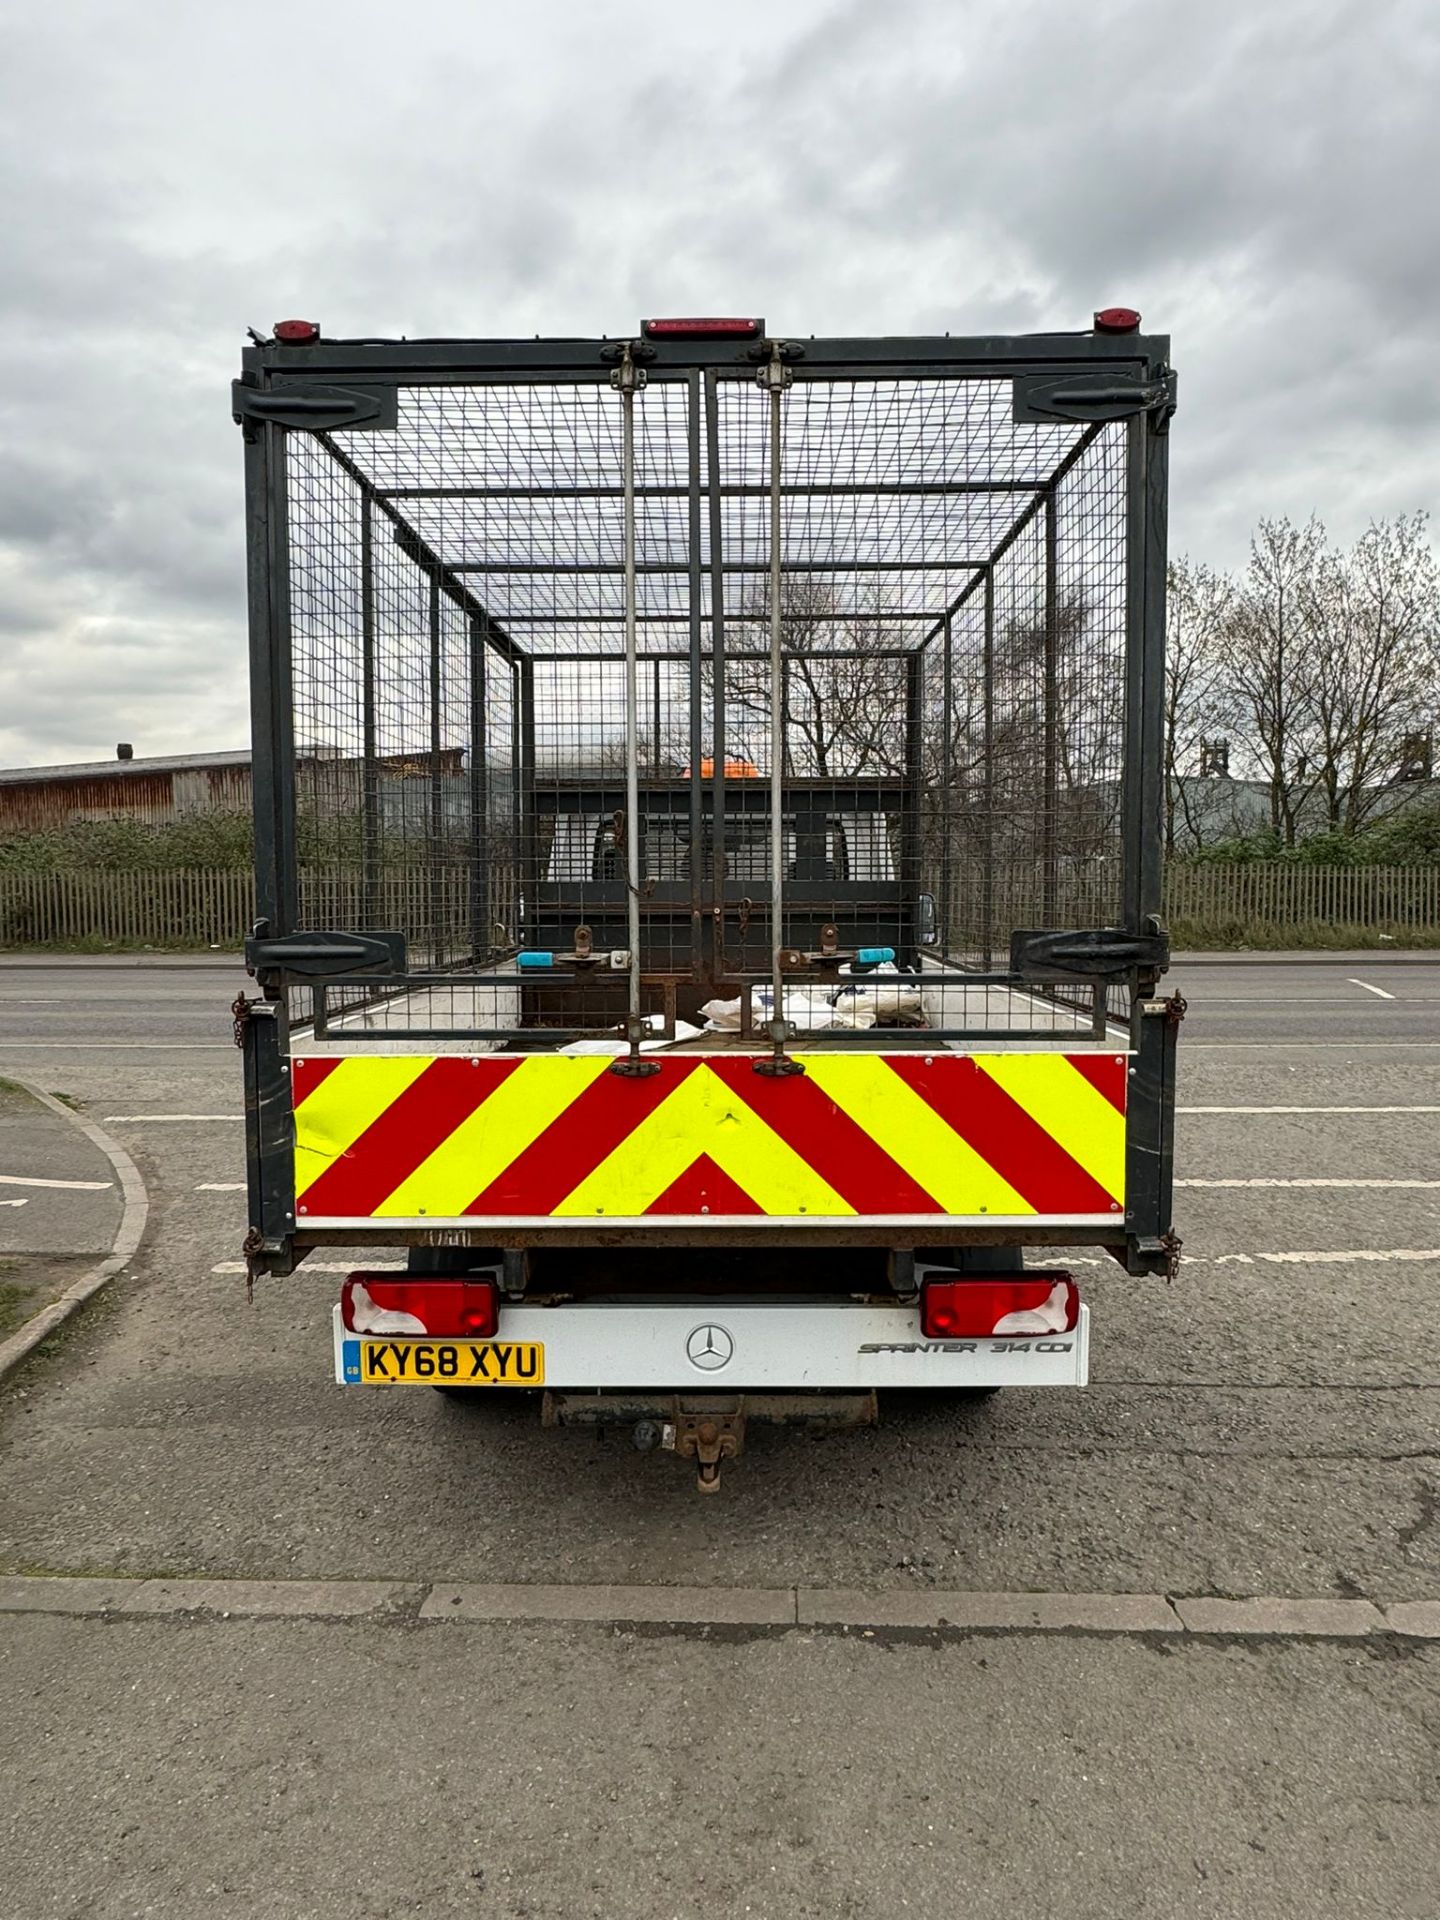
(709, 1348)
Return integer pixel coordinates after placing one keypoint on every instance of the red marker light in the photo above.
(296, 333)
(1117, 320)
(391, 1303)
(981, 1309)
(701, 329)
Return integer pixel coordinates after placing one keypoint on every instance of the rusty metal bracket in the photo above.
(240, 1013)
(707, 1438)
(1172, 1010)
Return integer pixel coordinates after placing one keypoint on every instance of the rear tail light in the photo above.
(395, 1303)
(992, 1304)
(296, 333)
(1117, 320)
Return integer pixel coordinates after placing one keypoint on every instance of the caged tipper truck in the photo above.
(708, 859)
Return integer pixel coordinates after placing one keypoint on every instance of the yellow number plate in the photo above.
(445, 1363)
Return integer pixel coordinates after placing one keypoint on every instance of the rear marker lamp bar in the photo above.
(390, 1303)
(701, 329)
(980, 1308)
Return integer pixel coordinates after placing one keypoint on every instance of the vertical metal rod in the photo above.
(717, 669)
(272, 712)
(530, 831)
(482, 929)
(947, 787)
(777, 727)
(987, 810)
(369, 760)
(437, 790)
(697, 745)
(524, 908)
(656, 723)
(632, 695)
(1049, 819)
(910, 844)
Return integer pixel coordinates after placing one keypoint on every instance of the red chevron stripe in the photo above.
(1002, 1133)
(407, 1132)
(1105, 1072)
(828, 1139)
(309, 1071)
(592, 1126)
(703, 1187)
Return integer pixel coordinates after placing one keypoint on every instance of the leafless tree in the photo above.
(1377, 612)
(844, 687)
(1328, 669)
(1200, 603)
(1270, 664)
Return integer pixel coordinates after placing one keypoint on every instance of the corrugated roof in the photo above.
(92, 769)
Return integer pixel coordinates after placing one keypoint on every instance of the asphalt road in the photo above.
(1267, 1424)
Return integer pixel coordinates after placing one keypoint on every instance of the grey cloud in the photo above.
(1259, 181)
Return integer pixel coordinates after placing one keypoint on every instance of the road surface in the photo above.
(1266, 1425)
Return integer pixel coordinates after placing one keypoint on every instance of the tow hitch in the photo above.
(707, 1428)
(707, 1438)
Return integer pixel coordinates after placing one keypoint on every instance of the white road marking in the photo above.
(221, 1186)
(318, 1266)
(77, 1186)
(171, 1118)
(1308, 1183)
(1307, 1109)
(14, 1203)
(1379, 992)
(1201, 1001)
(1339, 1259)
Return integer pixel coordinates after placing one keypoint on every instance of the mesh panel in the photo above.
(952, 610)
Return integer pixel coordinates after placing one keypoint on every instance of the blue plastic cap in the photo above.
(534, 960)
(874, 956)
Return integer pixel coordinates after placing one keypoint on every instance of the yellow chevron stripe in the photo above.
(955, 1176)
(703, 1116)
(1072, 1112)
(346, 1102)
(498, 1132)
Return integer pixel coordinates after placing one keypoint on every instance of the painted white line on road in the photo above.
(1371, 1254)
(1379, 992)
(323, 1266)
(135, 1206)
(14, 1203)
(1307, 1109)
(1428, 1184)
(169, 1119)
(74, 1186)
(221, 1186)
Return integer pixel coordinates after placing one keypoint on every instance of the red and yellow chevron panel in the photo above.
(553, 1137)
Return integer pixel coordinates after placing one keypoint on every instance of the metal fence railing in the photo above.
(1289, 894)
(199, 907)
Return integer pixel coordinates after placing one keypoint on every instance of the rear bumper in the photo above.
(825, 1346)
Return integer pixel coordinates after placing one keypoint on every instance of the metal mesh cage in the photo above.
(950, 737)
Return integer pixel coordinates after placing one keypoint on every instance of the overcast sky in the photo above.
(1259, 179)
